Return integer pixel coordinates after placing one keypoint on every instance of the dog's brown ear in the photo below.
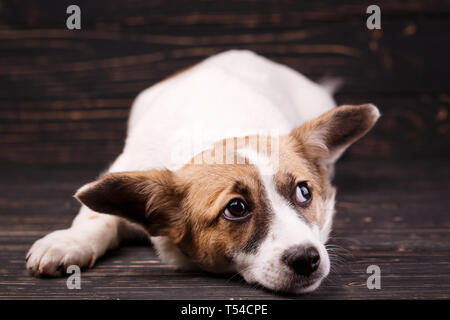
(149, 198)
(325, 138)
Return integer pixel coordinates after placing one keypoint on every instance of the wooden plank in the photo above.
(411, 126)
(245, 14)
(107, 63)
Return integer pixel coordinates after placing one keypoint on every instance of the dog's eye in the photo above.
(302, 193)
(236, 209)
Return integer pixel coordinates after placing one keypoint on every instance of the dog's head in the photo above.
(266, 217)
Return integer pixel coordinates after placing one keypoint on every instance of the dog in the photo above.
(227, 167)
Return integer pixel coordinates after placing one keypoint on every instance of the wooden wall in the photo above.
(65, 95)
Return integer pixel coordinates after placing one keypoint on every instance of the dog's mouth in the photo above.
(306, 286)
(300, 284)
(289, 284)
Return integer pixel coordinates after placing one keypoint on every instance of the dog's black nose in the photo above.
(302, 261)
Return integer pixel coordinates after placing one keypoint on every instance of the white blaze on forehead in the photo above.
(260, 161)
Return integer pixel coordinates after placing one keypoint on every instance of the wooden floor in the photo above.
(65, 97)
(385, 217)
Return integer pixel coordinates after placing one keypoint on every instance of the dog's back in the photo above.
(232, 94)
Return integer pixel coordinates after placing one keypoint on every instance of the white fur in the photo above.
(232, 94)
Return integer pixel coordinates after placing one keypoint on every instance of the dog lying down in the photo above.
(227, 168)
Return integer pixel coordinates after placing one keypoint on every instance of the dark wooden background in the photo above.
(65, 96)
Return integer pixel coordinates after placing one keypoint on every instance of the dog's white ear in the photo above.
(325, 138)
(149, 198)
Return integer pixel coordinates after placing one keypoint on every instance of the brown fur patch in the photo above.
(149, 198)
(211, 239)
(295, 168)
(329, 135)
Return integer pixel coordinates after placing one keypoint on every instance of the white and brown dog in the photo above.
(227, 168)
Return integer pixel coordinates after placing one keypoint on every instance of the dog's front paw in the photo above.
(52, 254)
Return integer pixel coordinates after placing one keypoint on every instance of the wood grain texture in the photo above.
(67, 93)
(65, 97)
(384, 218)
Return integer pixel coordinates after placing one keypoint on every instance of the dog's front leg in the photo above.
(89, 237)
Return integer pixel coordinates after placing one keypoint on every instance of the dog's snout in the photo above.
(303, 261)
